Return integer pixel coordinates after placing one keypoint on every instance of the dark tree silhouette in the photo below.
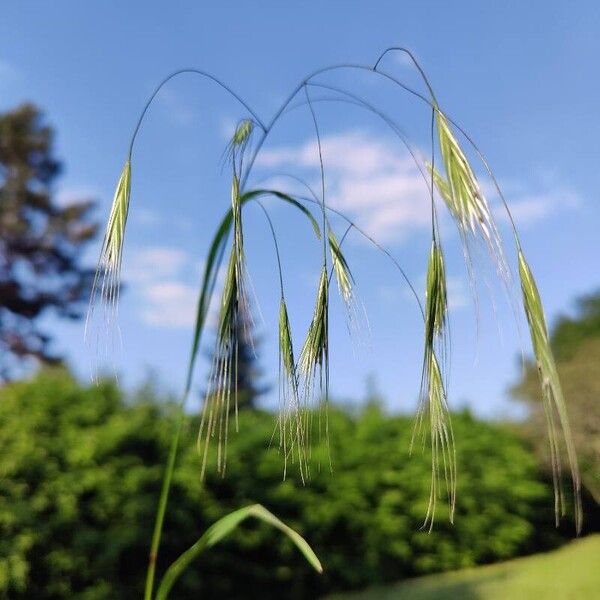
(40, 242)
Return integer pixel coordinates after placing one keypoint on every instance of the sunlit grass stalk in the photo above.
(465, 200)
(552, 396)
(107, 281)
(292, 411)
(313, 364)
(345, 280)
(432, 398)
(220, 397)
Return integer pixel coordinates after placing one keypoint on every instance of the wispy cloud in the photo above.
(367, 178)
(158, 278)
(164, 283)
(169, 304)
(528, 207)
(156, 263)
(374, 182)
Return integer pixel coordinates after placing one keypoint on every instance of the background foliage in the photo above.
(80, 469)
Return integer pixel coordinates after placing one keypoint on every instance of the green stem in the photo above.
(162, 504)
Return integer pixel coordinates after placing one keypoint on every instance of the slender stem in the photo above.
(196, 72)
(170, 467)
(162, 504)
(276, 245)
(413, 60)
(369, 238)
(322, 171)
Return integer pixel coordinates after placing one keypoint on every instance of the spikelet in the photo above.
(243, 132)
(343, 277)
(464, 198)
(436, 296)
(220, 397)
(236, 148)
(432, 398)
(552, 396)
(291, 418)
(433, 404)
(107, 280)
(313, 364)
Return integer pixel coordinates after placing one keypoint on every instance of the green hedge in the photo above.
(80, 470)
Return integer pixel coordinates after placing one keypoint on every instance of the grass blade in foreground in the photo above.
(552, 395)
(222, 529)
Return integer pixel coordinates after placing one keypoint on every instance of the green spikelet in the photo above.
(291, 417)
(220, 396)
(432, 399)
(552, 395)
(464, 198)
(108, 274)
(343, 276)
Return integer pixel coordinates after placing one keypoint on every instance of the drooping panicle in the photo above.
(236, 148)
(314, 356)
(107, 280)
(464, 198)
(242, 133)
(552, 396)
(291, 411)
(432, 398)
(220, 398)
(343, 276)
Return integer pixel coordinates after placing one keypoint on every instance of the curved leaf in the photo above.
(286, 198)
(220, 530)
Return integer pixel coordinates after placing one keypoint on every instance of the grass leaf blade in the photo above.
(220, 530)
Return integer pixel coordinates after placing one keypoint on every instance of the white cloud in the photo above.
(164, 281)
(384, 191)
(169, 304)
(530, 207)
(367, 178)
(158, 278)
(152, 264)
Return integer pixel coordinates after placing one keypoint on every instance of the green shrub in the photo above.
(80, 471)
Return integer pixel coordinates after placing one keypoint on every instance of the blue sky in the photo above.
(520, 77)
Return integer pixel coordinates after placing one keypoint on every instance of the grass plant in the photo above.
(304, 378)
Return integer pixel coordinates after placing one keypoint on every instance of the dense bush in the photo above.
(80, 470)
